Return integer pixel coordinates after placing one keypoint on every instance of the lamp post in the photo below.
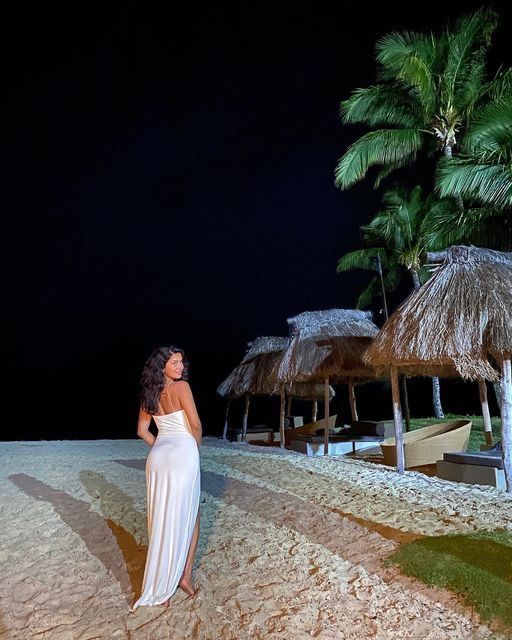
(378, 266)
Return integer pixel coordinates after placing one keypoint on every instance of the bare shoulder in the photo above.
(185, 395)
(182, 386)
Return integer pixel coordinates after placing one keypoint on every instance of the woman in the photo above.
(172, 476)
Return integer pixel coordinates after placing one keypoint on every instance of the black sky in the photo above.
(169, 179)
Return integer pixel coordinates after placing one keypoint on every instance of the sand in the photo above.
(290, 548)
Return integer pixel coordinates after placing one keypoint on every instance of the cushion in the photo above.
(483, 458)
(364, 428)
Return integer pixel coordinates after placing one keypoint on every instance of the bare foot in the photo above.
(185, 584)
(165, 604)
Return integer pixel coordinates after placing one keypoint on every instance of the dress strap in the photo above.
(168, 387)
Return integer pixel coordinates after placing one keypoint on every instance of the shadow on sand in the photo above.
(117, 506)
(114, 547)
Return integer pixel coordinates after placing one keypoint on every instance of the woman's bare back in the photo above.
(169, 400)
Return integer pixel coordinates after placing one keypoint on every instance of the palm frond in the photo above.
(360, 259)
(490, 134)
(393, 277)
(467, 47)
(445, 226)
(395, 49)
(385, 172)
(379, 104)
(485, 183)
(485, 226)
(369, 293)
(373, 290)
(383, 147)
(384, 229)
(408, 57)
(434, 229)
(500, 86)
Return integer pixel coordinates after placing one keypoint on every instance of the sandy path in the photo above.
(290, 547)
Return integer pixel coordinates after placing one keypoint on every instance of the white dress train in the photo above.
(173, 491)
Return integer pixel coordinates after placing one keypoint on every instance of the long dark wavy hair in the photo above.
(152, 380)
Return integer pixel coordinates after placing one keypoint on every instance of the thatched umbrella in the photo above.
(458, 322)
(248, 378)
(234, 386)
(255, 376)
(328, 345)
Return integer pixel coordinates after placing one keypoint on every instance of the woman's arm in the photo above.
(143, 428)
(187, 402)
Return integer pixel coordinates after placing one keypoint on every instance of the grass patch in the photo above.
(476, 437)
(477, 567)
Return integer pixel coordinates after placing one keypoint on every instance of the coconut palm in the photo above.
(482, 174)
(401, 234)
(428, 87)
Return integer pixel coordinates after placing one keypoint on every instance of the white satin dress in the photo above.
(173, 491)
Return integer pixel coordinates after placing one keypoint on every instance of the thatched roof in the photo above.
(333, 323)
(328, 344)
(455, 321)
(265, 344)
(308, 391)
(238, 382)
(256, 373)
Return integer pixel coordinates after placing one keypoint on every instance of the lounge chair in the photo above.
(260, 433)
(308, 429)
(428, 444)
(474, 467)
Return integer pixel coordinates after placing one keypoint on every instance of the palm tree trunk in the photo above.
(415, 279)
(497, 393)
(482, 388)
(436, 387)
(436, 398)
(458, 199)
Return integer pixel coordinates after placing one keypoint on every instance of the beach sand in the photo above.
(291, 547)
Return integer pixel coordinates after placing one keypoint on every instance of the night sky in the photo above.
(168, 178)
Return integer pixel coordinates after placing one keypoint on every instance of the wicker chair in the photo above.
(428, 444)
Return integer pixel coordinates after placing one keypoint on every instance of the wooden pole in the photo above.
(352, 400)
(506, 418)
(326, 416)
(246, 416)
(225, 432)
(405, 396)
(314, 411)
(397, 414)
(482, 390)
(281, 419)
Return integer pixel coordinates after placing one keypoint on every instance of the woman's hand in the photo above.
(143, 428)
(187, 403)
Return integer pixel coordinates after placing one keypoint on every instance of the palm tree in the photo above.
(428, 87)
(482, 174)
(401, 235)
